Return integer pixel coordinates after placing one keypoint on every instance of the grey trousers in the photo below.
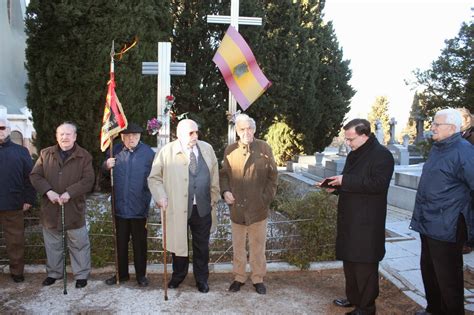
(79, 249)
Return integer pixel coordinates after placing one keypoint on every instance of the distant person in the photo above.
(184, 181)
(16, 195)
(63, 175)
(132, 164)
(361, 213)
(442, 204)
(248, 181)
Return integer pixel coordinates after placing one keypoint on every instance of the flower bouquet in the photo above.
(153, 126)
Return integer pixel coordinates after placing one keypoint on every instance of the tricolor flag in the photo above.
(239, 68)
(114, 119)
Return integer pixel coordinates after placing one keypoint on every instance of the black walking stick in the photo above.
(64, 251)
(165, 284)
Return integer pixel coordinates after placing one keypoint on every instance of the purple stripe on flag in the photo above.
(249, 56)
(230, 81)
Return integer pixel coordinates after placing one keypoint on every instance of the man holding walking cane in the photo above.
(184, 181)
(63, 175)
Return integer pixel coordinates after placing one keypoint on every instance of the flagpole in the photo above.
(112, 193)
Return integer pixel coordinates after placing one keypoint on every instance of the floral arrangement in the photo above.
(153, 126)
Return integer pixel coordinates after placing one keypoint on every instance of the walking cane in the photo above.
(165, 284)
(64, 251)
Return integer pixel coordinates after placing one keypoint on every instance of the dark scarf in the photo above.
(66, 154)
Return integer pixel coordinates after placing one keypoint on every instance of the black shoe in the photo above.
(80, 283)
(202, 287)
(235, 286)
(142, 281)
(49, 281)
(18, 278)
(260, 288)
(113, 280)
(342, 303)
(173, 284)
(422, 312)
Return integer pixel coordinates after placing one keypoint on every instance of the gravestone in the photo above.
(379, 132)
(419, 129)
(392, 123)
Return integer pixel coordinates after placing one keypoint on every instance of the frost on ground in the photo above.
(300, 292)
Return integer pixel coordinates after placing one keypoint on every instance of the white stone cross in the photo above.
(164, 68)
(234, 20)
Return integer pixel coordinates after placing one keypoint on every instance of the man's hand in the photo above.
(64, 198)
(110, 163)
(229, 198)
(53, 196)
(335, 180)
(26, 206)
(162, 203)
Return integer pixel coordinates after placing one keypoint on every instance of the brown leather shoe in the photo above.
(466, 249)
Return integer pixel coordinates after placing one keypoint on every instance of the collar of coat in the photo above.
(448, 141)
(176, 147)
(76, 152)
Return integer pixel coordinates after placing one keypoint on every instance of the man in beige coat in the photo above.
(184, 181)
(248, 181)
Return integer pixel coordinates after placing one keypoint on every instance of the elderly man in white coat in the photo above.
(184, 181)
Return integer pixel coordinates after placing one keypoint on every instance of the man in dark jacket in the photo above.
(131, 166)
(16, 195)
(248, 180)
(442, 207)
(63, 175)
(362, 209)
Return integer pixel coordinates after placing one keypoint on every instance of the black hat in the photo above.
(132, 128)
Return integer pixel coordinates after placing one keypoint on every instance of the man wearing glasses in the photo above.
(16, 195)
(442, 208)
(184, 181)
(361, 213)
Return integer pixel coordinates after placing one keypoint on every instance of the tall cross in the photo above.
(164, 68)
(234, 20)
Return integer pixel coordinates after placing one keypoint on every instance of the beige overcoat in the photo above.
(169, 179)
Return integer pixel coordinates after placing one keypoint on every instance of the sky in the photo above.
(386, 40)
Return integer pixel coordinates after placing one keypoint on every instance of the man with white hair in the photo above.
(442, 208)
(16, 195)
(184, 181)
(248, 181)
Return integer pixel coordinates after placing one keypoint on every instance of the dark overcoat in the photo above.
(362, 206)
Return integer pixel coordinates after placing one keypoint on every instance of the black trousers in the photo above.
(442, 271)
(136, 228)
(362, 285)
(200, 232)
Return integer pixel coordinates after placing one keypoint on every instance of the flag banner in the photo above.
(114, 120)
(240, 70)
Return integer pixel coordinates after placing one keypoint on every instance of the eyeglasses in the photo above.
(3, 127)
(436, 125)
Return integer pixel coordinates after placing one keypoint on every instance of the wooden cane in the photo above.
(64, 251)
(165, 283)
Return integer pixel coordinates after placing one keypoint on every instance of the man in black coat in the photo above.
(362, 209)
(16, 195)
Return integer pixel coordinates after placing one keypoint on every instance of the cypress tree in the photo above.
(68, 57)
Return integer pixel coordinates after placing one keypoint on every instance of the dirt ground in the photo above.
(299, 292)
